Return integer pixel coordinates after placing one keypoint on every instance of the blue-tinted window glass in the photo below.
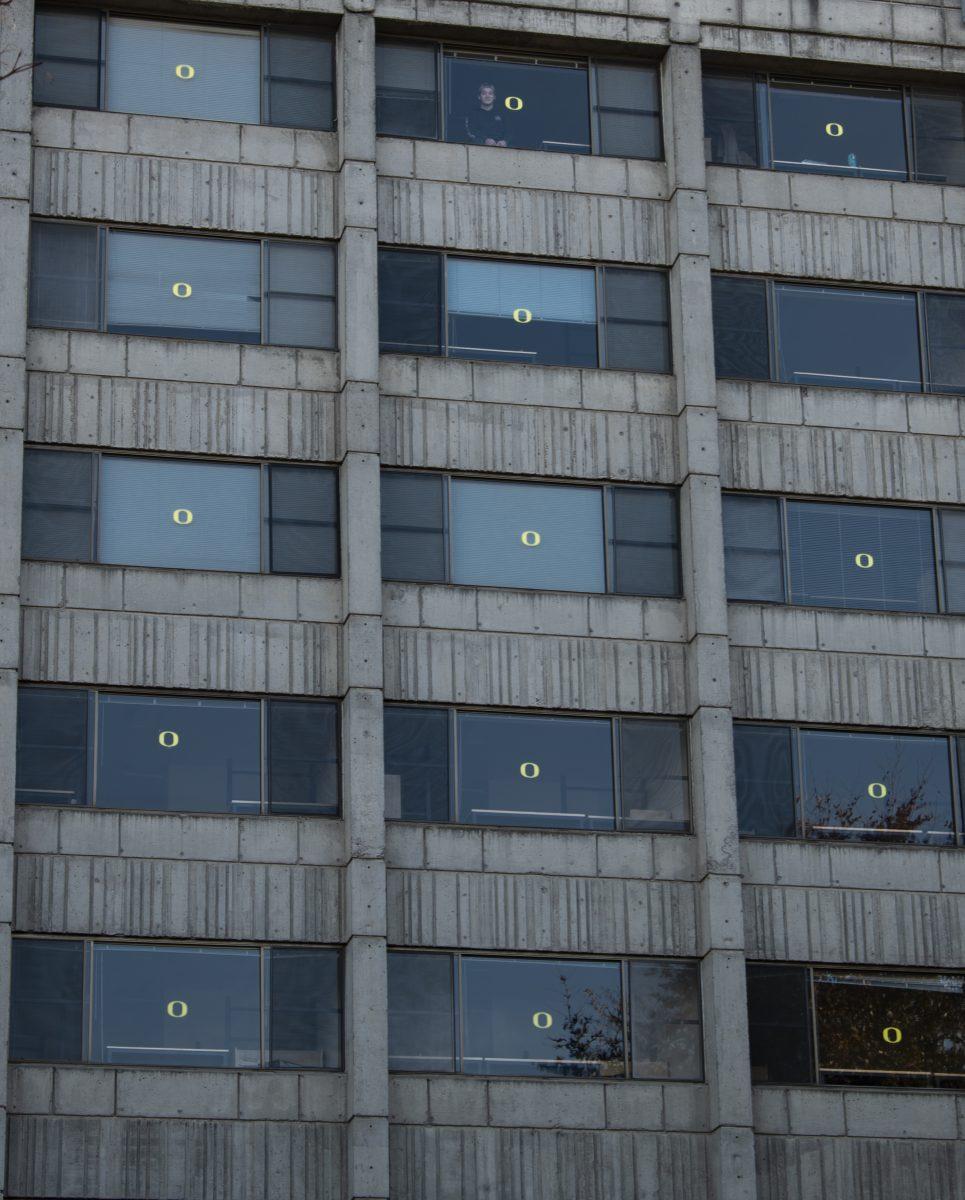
(416, 763)
(303, 757)
(299, 77)
(52, 746)
(939, 123)
(945, 337)
(173, 754)
(877, 787)
(421, 1016)
(741, 327)
(527, 535)
(953, 558)
(170, 285)
(654, 777)
(173, 70)
(730, 120)
(406, 95)
(550, 1018)
(753, 548)
(861, 556)
(841, 337)
(47, 1000)
(65, 270)
(544, 772)
(628, 110)
(413, 526)
(665, 1030)
(176, 1006)
(67, 57)
(305, 1008)
(58, 498)
(521, 312)
(164, 513)
(764, 767)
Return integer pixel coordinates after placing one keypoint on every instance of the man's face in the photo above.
(487, 95)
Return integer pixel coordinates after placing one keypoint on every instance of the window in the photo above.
(532, 103)
(175, 1006)
(870, 1029)
(884, 557)
(497, 310)
(266, 75)
(544, 1017)
(498, 533)
(176, 285)
(838, 336)
(849, 785)
(541, 772)
(857, 130)
(159, 753)
(191, 515)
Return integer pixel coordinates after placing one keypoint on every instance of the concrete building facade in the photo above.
(365, 884)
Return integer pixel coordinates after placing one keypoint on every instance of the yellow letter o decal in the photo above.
(834, 129)
(513, 103)
(542, 1020)
(522, 316)
(182, 516)
(184, 71)
(864, 560)
(877, 791)
(182, 290)
(177, 1008)
(529, 770)
(529, 537)
(892, 1035)
(168, 739)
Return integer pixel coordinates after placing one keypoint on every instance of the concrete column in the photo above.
(720, 934)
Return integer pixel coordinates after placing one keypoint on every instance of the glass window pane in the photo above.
(173, 754)
(893, 1030)
(406, 100)
(301, 295)
(654, 775)
(553, 1018)
(67, 56)
(305, 1009)
(531, 106)
(416, 763)
(637, 320)
(530, 535)
(521, 312)
(51, 746)
(413, 527)
(57, 505)
(741, 339)
(939, 123)
(945, 326)
(877, 787)
(542, 772)
(753, 554)
(628, 110)
(780, 1024)
(730, 120)
(64, 275)
(165, 513)
(839, 131)
(172, 70)
(169, 285)
(953, 557)
(47, 1000)
(861, 556)
(176, 1006)
(645, 540)
(421, 1018)
(303, 757)
(665, 1029)
(410, 302)
(304, 520)
(300, 80)
(766, 802)
(841, 337)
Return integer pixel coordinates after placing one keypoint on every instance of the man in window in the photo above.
(484, 123)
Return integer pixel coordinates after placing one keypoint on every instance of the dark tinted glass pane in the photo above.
(176, 1006)
(57, 498)
(654, 775)
(533, 106)
(939, 123)
(413, 527)
(302, 757)
(741, 347)
(306, 1009)
(521, 312)
(861, 556)
(410, 302)
(893, 1030)
(304, 520)
(64, 275)
(765, 781)
(645, 540)
(300, 74)
(953, 558)
(421, 1018)
(730, 122)
(876, 787)
(753, 557)
(780, 1024)
(628, 111)
(544, 1017)
(172, 754)
(637, 320)
(665, 1031)
(406, 100)
(545, 772)
(301, 295)
(945, 325)
(839, 337)
(67, 57)
(47, 1000)
(51, 746)
(416, 763)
